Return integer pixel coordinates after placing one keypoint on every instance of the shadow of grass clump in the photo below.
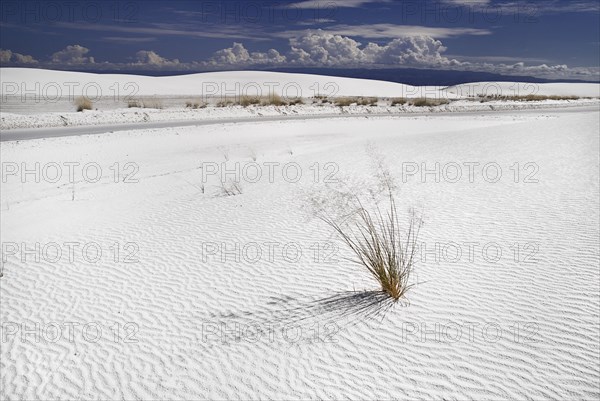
(341, 309)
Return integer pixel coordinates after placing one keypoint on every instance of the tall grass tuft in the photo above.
(273, 100)
(246, 101)
(378, 244)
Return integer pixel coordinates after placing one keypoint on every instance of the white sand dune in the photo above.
(525, 326)
(33, 98)
(524, 89)
(230, 83)
(46, 83)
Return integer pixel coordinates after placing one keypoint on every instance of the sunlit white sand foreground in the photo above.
(130, 274)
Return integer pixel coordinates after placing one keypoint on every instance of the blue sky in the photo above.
(550, 39)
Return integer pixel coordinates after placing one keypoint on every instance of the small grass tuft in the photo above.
(231, 188)
(131, 103)
(225, 103)
(83, 103)
(190, 104)
(149, 103)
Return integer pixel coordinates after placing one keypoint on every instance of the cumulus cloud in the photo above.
(323, 48)
(8, 56)
(239, 55)
(149, 57)
(320, 48)
(72, 55)
(5, 55)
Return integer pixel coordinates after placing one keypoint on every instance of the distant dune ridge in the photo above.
(18, 81)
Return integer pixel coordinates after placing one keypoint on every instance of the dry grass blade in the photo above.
(231, 188)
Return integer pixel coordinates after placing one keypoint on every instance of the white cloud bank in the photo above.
(316, 48)
(7, 56)
(72, 55)
(321, 48)
(149, 57)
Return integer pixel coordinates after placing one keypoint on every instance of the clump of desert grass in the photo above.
(321, 100)
(427, 102)
(526, 98)
(225, 103)
(358, 100)
(398, 101)
(145, 103)
(246, 100)
(83, 103)
(132, 103)
(195, 104)
(272, 99)
(377, 240)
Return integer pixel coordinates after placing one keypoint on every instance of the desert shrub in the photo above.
(134, 103)
(424, 102)
(526, 98)
(360, 101)
(191, 104)
(246, 101)
(225, 103)
(367, 101)
(83, 103)
(273, 100)
(148, 103)
(345, 101)
(398, 101)
(296, 101)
